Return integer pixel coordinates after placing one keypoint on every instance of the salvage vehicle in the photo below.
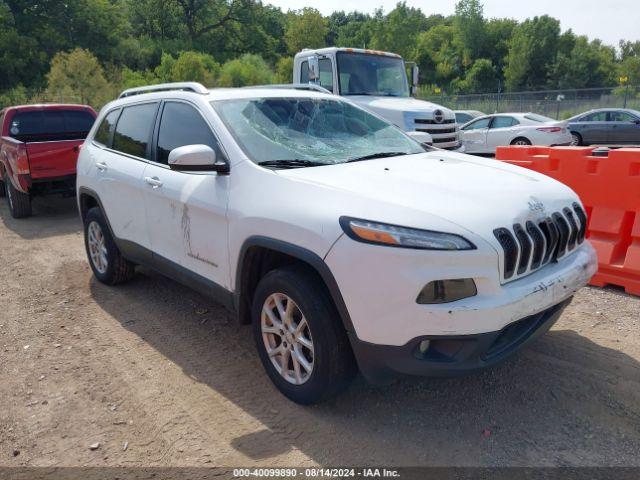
(344, 243)
(377, 81)
(484, 134)
(39, 147)
(606, 126)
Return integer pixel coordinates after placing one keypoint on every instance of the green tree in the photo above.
(470, 29)
(194, 67)
(532, 53)
(78, 76)
(284, 70)
(398, 31)
(306, 28)
(249, 69)
(587, 64)
(480, 78)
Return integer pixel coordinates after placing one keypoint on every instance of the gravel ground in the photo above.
(153, 374)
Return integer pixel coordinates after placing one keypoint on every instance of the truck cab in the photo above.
(378, 81)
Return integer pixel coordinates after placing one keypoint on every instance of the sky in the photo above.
(608, 20)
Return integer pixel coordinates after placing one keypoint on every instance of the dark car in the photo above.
(612, 126)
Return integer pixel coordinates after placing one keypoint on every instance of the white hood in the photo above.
(437, 188)
(399, 110)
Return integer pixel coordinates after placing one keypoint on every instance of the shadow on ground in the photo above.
(564, 401)
(52, 216)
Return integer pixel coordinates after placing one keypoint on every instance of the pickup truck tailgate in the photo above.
(53, 159)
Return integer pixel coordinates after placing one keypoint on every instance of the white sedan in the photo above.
(482, 135)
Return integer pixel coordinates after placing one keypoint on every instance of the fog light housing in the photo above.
(447, 291)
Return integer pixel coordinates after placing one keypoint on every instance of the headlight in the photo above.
(395, 236)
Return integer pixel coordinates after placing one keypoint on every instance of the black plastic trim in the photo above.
(380, 364)
(304, 255)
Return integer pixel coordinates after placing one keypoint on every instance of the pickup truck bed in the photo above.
(39, 148)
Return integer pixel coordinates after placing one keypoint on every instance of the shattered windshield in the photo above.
(318, 130)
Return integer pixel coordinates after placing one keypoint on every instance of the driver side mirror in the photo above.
(314, 69)
(196, 158)
(415, 78)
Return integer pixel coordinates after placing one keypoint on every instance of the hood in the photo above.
(405, 105)
(437, 190)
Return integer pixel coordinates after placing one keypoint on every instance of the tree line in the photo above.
(90, 49)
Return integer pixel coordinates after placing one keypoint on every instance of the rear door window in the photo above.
(181, 125)
(133, 131)
(503, 122)
(50, 125)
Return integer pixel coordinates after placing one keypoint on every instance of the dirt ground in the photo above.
(158, 375)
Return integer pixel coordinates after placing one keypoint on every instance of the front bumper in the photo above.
(452, 355)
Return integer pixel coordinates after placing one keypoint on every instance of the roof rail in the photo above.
(165, 87)
(295, 86)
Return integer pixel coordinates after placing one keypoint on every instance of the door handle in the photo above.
(153, 181)
(101, 166)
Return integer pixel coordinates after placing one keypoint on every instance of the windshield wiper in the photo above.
(377, 155)
(291, 163)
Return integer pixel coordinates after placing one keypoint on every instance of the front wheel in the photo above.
(106, 261)
(300, 339)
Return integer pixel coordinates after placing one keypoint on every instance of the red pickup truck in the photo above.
(39, 147)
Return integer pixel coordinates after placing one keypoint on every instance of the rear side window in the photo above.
(504, 122)
(134, 129)
(50, 125)
(103, 134)
(182, 125)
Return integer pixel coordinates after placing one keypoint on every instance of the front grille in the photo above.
(434, 131)
(425, 121)
(445, 140)
(527, 248)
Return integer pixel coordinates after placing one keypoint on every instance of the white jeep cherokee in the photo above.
(339, 238)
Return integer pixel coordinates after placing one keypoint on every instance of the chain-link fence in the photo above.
(560, 104)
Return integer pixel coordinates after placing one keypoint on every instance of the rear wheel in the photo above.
(19, 202)
(107, 263)
(521, 141)
(300, 339)
(576, 139)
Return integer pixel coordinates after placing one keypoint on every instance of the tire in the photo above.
(3, 190)
(521, 141)
(331, 359)
(19, 202)
(106, 261)
(576, 139)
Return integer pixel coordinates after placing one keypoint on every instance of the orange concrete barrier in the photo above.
(609, 187)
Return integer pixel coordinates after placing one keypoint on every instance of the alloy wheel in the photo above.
(97, 247)
(287, 338)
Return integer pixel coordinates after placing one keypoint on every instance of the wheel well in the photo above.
(520, 138)
(256, 263)
(87, 202)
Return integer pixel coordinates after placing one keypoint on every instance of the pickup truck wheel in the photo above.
(300, 338)
(107, 263)
(19, 202)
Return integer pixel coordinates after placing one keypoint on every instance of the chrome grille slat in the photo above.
(526, 248)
